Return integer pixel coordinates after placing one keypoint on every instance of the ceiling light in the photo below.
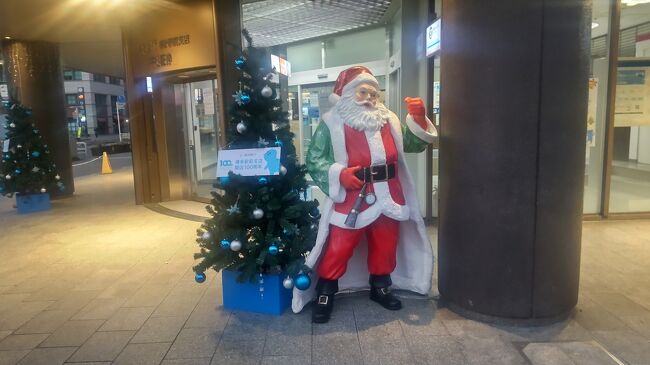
(7, 37)
(634, 2)
(594, 25)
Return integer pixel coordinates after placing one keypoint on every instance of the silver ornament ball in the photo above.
(8, 177)
(57, 177)
(235, 245)
(241, 127)
(12, 125)
(206, 236)
(283, 170)
(43, 190)
(287, 283)
(258, 213)
(267, 92)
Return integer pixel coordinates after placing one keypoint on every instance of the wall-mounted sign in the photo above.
(249, 162)
(4, 92)
(433, 38)
(175, 38)
(281, 65)
(632, 107)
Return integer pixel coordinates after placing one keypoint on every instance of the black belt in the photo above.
(376, 173)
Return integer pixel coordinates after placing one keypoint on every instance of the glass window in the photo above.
(597, 109)
(99, 78)
(630, 178)
(71, 99)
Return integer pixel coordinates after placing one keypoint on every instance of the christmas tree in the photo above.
(26, 167)
(259, 224)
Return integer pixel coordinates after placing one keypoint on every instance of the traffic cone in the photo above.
(106, 164)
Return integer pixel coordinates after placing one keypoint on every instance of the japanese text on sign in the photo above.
(249, 162)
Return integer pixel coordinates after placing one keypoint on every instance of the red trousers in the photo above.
(382, 236)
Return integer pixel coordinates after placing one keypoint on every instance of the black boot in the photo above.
(324, 303)
(380, 292)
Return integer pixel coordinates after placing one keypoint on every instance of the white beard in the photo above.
(361, 117)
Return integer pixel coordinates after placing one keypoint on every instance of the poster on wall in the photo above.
(632, 96)
(208, 100)
(433, 38)
(591, 113)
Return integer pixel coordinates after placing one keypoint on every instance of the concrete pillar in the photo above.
(34, 74)
(514, 104)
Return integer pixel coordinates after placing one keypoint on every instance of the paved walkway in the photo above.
(100, 280)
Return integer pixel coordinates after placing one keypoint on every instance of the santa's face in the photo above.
(366, 95)
(360, 108)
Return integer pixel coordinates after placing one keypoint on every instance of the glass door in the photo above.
(200, 118)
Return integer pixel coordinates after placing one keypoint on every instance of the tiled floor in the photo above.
(100, 280)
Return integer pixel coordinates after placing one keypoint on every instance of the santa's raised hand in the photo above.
(416, 109)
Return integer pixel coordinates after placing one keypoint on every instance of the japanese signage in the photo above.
(433, 38)
(176, 38)
(249, 162)
(158, 50)
(632, 97)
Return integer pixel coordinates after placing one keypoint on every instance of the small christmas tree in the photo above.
(259, 224)
(26, 167)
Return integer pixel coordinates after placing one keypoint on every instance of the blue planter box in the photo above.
(273, 299)
(31, 203)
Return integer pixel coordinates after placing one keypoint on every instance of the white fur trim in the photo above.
(361, 78)
(336, 191)
(429, 135)
(334, 98)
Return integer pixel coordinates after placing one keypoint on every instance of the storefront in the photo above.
(175, 83)
(617, 156)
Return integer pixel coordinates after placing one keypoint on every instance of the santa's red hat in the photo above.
(349, 79)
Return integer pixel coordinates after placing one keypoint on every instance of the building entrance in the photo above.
(195, 108)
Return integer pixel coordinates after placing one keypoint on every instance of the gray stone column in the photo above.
(514, 103)
(33, 70)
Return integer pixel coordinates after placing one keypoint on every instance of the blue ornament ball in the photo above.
(273, 250)
(302, 282)
(278, 143)
(240, 62)
(18, 171)
(199, 277)
(245, 98)
(225, 244)
(263, 180)
(36, 154)
(225, 180)
(286, 232)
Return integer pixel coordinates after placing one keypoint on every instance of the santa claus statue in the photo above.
(371, 231)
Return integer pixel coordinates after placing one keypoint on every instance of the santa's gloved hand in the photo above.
(349, 180)
(415, 107)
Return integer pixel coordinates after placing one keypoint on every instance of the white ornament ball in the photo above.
(8, 177)
(241, 127)
(57, 177)
(12, 125)
(43, 190)
(258, 213)
(267, 92)
(235, 245)
(283, 170)
(206, 236)
(287, 283)
(19, 146)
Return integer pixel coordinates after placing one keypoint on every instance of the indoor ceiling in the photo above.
(273, 22)
(630, 16)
